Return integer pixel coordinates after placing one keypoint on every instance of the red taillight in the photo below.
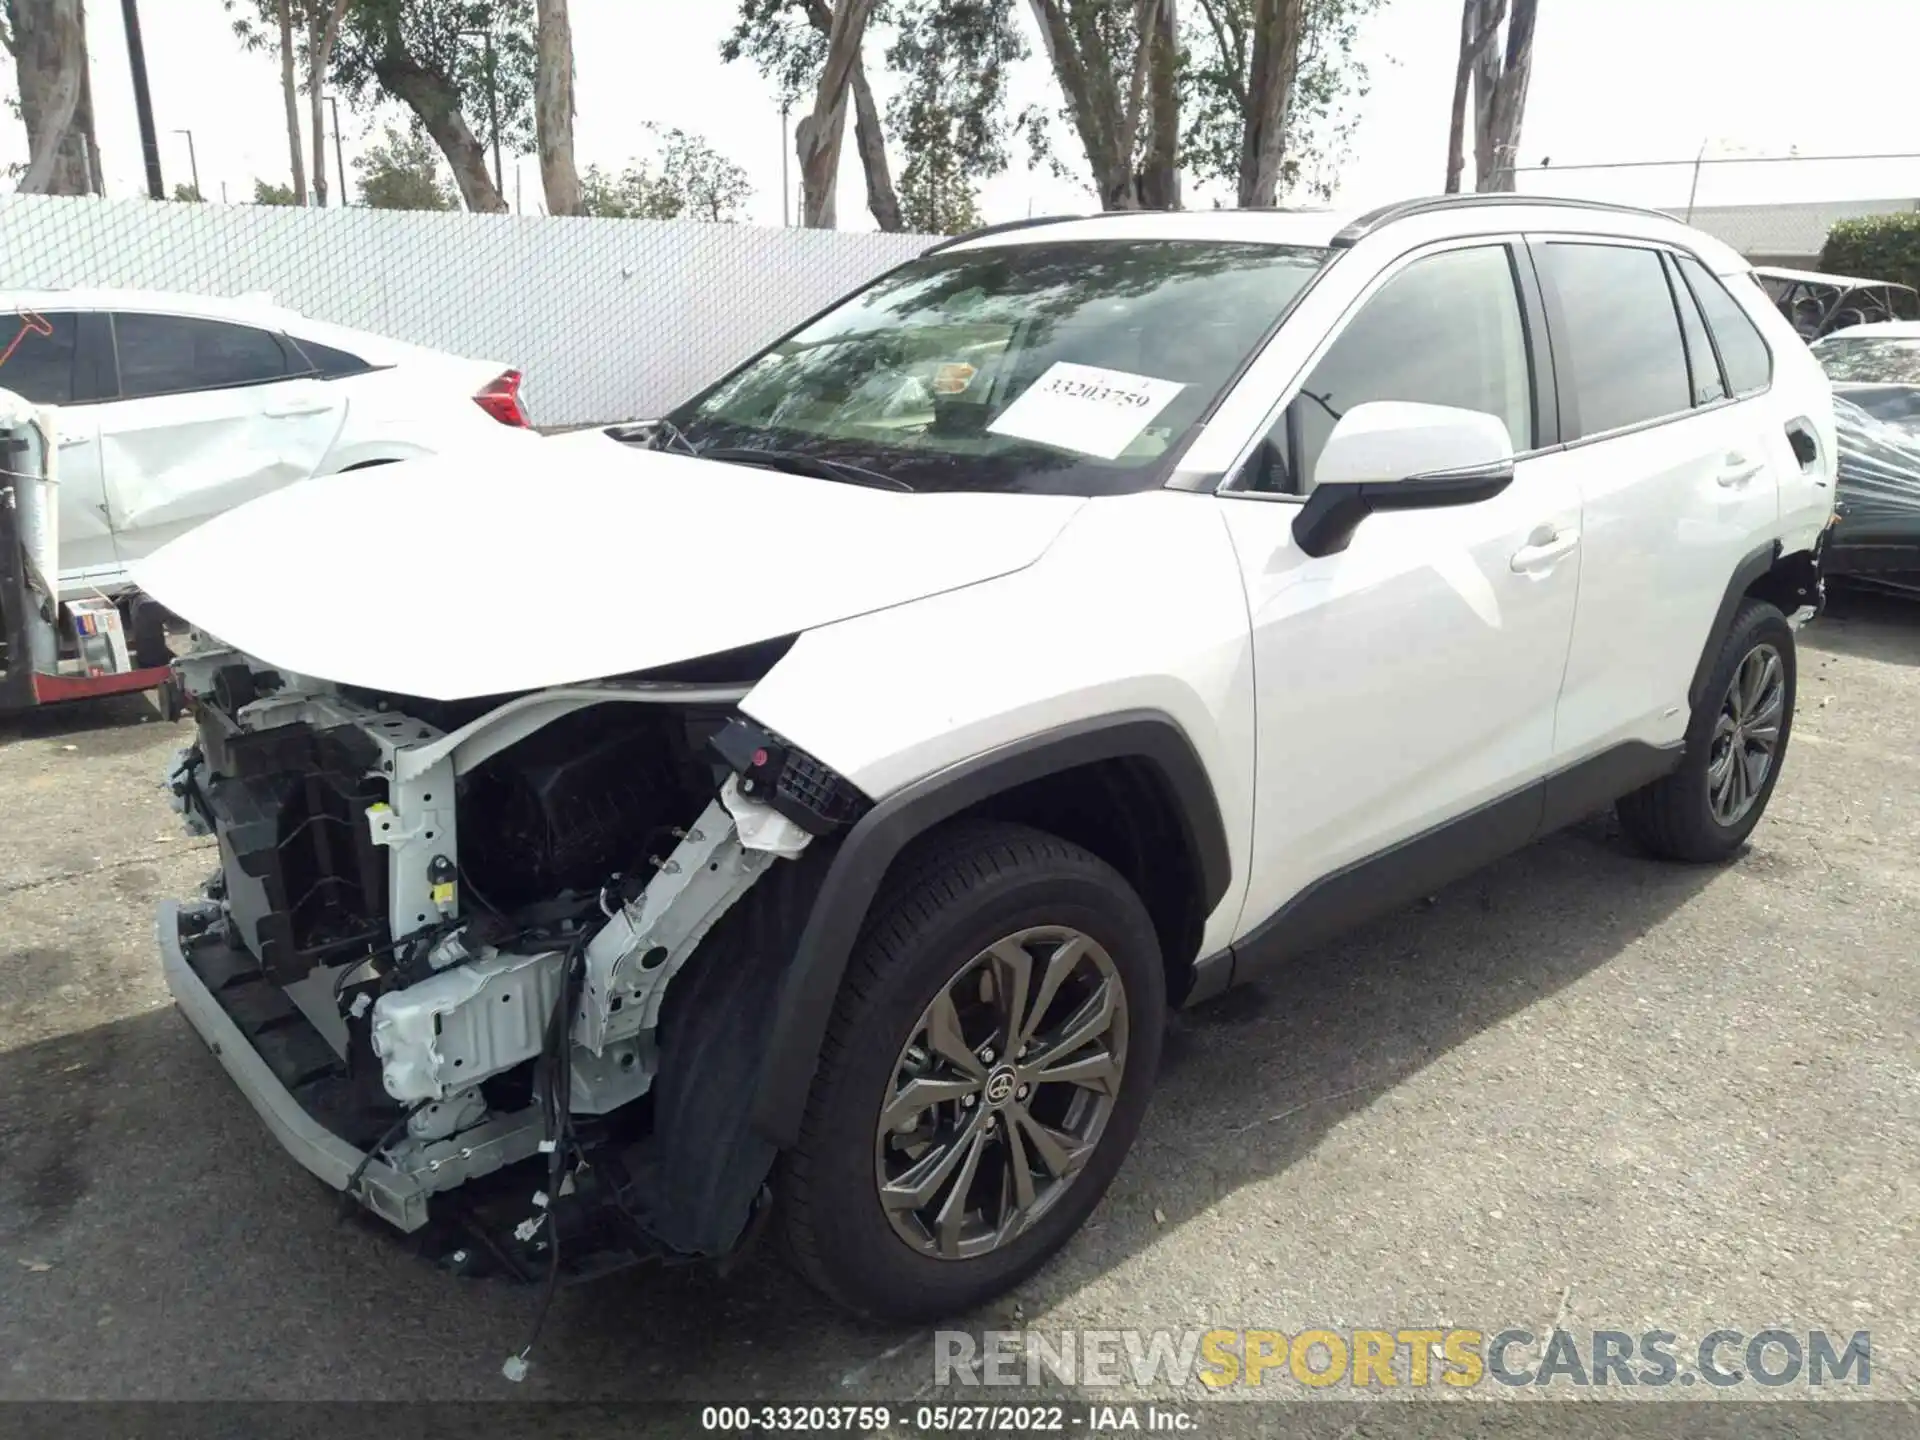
(501, 399)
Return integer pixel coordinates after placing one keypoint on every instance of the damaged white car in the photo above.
(806, 807)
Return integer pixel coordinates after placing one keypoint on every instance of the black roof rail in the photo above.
(1426, 204)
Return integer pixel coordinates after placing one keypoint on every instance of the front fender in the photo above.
(812, 980)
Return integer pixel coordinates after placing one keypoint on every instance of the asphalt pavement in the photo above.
(1582, 1090)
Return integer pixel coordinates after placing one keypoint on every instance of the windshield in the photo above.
(1871, 360)
(1066, 368)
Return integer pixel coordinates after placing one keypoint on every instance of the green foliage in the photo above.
(1217, 40)
(448, 40)
(403, 173)
(784, 44)
(686, 180)
(1878, 247)
(188, 194)
(265, 192)
(949, 116)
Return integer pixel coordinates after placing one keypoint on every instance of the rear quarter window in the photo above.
(329, 363)
(1743, 351)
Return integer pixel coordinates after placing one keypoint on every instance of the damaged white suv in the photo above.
(809, 804)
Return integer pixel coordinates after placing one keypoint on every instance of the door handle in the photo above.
(1738, 472)
(66, 440)
(1545, 552)
(291, 412)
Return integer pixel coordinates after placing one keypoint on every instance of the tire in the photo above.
(147, 626)
(974, 886)
(1676, 818)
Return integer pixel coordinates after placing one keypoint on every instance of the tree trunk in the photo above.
(1510, 99)
(882, 199)
(432, 97)
(1086, 77)
(83, 130)
(1160, 175)
(868, 133)
(321, 38)
(1276, 58)
(1462, 82)
(818, 136)
(553, 109)
(49, 45)
(291, 92)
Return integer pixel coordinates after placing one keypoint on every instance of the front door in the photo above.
(1412, 678)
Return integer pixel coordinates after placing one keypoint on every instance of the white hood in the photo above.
(572, 560)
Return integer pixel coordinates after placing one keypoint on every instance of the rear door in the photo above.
(211, 414)
(1676, 485)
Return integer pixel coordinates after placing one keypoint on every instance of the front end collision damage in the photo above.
(405, 1034)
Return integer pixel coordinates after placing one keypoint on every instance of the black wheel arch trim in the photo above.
(1758, 563)
(812, 982)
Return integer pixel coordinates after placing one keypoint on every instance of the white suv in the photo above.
(176, 407)
(1082, 618)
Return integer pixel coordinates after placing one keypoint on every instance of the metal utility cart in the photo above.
(52, 650)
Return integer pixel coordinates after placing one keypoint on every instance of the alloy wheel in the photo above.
(1746, 736)
(1001, 1092)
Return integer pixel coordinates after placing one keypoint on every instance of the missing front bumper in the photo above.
(184, 938)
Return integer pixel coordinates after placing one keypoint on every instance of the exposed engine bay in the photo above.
(498, 947)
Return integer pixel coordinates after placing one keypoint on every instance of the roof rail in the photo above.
(1405, 209)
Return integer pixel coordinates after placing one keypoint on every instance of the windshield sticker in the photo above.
(953, 378)
(1086, 408)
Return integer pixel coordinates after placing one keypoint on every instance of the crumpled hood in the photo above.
(573, 559)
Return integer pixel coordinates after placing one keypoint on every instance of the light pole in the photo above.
(193, 161)
(142, 99)
(339, 159)
(786, 185)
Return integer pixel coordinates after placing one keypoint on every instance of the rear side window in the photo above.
(1703, 367)
(1617, 336)
(165, 354)
(327, 362)
(1744, 353)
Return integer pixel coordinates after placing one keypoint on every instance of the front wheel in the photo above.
(1736, 742)
(986, 1069)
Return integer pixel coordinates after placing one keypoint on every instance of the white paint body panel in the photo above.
(1402, 681)
(571, 559)
(141, 472)
(1137, 605)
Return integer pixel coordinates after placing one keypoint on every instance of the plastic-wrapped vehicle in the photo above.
(807, 806)
(1875, 371)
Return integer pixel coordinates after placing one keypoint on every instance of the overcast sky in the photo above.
(1613, 80)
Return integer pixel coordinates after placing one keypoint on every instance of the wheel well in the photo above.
(1789, 583)
(1123, 810)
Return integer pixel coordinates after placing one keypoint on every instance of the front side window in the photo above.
(1073, 367)
(1446, 330)
(41, 366)
(1617, 337)
(1742, 350)
(164, 354)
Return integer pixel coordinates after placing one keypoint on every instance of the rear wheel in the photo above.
(1736, 742)
(986, 1069)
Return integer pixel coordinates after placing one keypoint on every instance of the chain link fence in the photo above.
(608, 319)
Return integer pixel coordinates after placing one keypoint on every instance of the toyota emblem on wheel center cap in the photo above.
(1000, 1086)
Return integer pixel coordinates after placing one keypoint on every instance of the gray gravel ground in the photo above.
(1583, 1088)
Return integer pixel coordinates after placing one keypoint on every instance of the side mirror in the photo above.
(1396, 455)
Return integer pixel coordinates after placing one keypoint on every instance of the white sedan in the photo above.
(174, 408)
